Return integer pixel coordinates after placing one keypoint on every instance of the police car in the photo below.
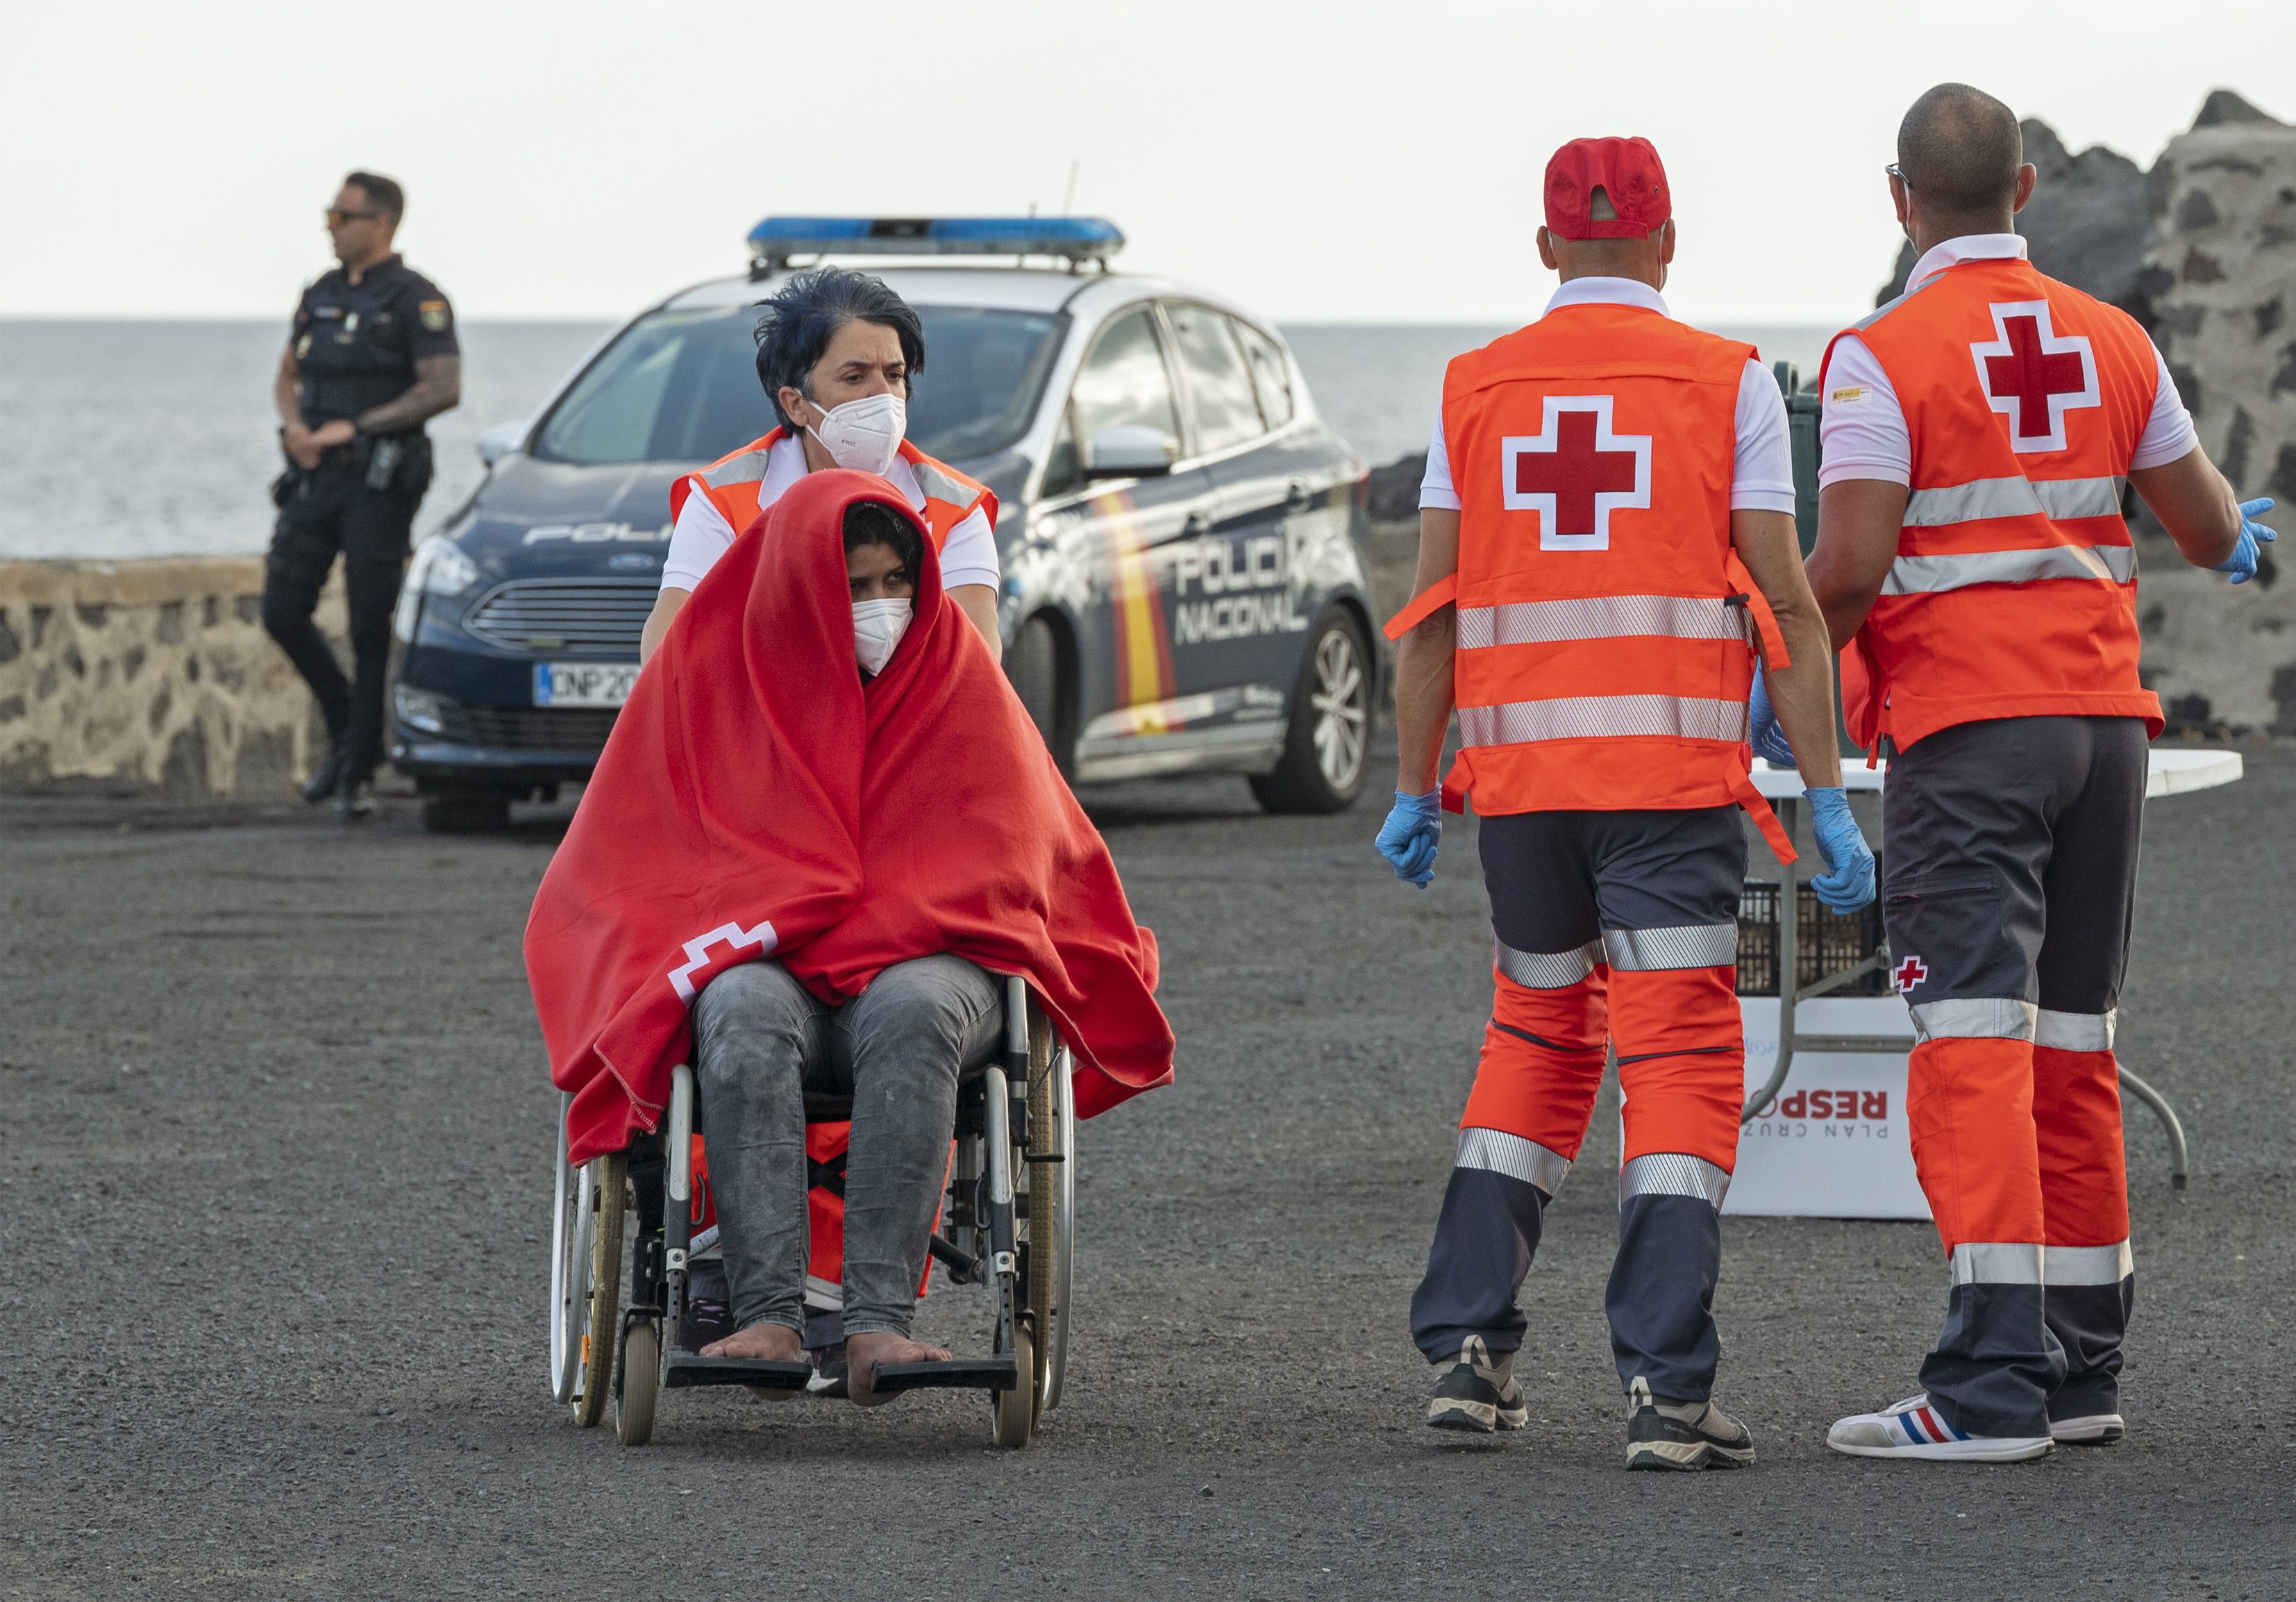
(1185, 543)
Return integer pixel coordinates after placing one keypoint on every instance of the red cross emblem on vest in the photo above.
(1574, 473)
(2032, 377)
(1910, 972)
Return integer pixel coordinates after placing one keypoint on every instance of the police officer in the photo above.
(371, 358)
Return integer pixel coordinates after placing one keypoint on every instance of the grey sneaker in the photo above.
(1477, 1393)
(1682, 1434)
(2090, 1429)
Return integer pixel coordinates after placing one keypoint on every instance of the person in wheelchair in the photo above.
(761, 1041)
(823, 823)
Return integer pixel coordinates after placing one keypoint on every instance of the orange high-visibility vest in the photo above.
(731, 482)
(1605, 626)
(2013, 594)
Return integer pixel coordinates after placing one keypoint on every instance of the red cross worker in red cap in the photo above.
(1972, 555)
(1606, 550)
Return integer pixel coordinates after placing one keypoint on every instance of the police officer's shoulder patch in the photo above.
(435, 316)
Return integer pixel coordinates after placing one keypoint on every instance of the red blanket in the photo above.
(758, 800)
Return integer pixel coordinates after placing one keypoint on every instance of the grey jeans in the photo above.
(760, 1040)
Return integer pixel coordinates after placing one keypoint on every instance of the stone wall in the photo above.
(2222, 273)
(151, 676)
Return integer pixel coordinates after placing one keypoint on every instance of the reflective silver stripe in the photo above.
(1598, 717)
(2074, 1031)
(1928, 575)
(2017, 496)
(2078, 498)
(941, 486)
(1990, 1018)
(2086, 1265)
(1545, 970)
(1600, 618)
(1996, 1263)
(1689, 946)
(747, 468)
(1673, 1174)
(1514, 1157)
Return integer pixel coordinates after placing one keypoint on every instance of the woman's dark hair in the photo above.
(805, 316)
(874, 523)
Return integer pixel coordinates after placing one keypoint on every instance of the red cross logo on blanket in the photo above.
(1575, 472)
(1910, 972)
(2032, 377)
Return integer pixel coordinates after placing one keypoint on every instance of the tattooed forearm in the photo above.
(438, 388)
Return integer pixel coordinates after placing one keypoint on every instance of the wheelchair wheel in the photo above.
(606, 1196)
(1016, 1410)
(641, 1383)
(1047, 1224)
(1055, 1334)
(569, 1259)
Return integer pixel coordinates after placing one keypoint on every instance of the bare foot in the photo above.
(762, 1343)
(864, 1353)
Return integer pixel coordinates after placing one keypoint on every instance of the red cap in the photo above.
(1626, 169)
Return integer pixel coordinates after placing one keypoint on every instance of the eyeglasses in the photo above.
(337, 216)
(1892, 170)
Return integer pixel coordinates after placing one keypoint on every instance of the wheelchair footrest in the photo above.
(685, 1369)
(958, 1374)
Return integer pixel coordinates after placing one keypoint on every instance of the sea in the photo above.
(127, 438)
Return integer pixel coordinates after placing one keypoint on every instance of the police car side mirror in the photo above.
(1129, 450)
(500, 440)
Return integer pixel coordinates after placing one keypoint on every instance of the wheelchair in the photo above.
(1006, 1222)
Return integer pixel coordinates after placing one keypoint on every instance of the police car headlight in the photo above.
(439, 568)
(419, 709)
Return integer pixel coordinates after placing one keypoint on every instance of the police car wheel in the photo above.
(466, 812)
(1035, 673)
(1326, 747)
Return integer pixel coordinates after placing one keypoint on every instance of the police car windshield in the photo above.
(681, 386)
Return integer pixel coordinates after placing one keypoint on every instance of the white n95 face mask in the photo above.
(865, 434)
(878, 627)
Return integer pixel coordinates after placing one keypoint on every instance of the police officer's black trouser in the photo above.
(1611, 928)
(328, 512)
(2010, 849)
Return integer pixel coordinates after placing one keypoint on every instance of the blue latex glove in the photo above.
(1848, 882)
(1769, 741)
(1409, 836)
(2242, 564)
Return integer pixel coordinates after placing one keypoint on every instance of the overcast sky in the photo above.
(1328, 161)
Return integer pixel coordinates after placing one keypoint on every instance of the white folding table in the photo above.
(1842, 1162)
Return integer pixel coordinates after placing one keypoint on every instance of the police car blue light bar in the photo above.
(1076, 240)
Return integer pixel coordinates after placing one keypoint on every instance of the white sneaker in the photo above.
(2091, 1429)
(1914, 1429)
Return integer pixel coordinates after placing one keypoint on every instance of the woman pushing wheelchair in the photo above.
(823, 839)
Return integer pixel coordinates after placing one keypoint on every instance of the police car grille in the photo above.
(565, 614)
(554, 729)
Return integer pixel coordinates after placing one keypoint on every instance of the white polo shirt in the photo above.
(1761, 473)
(1862, 428)
(702, 534)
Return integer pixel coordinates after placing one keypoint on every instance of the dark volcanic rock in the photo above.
(1395, 488)
(2223, 106)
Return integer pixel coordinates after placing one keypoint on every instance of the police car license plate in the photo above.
(582, 684)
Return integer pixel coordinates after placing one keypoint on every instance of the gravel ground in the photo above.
(277, 1181)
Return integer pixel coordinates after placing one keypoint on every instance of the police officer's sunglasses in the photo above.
(337, 216)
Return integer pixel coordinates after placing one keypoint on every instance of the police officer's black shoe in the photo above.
(327, 777)
(354, 800)
(1682, 1434)
(1477, 1393)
